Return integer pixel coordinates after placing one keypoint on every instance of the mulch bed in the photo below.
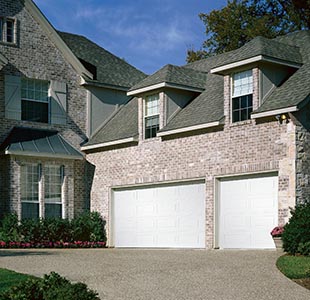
(305, 282)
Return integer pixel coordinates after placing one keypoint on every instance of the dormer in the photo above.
(163, 94)
(252, 72)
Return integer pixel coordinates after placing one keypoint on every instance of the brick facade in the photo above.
(35, 56)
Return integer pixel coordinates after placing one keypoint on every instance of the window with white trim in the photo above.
(31, 185)
(151, 116)
(52, 190)
(242, 96)
(7, 30)
(29, 189)
(35, 100)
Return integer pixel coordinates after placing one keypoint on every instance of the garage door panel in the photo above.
(169, 216)
(248, 212)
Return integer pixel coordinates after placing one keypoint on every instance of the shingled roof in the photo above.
(176, 77)
(208, 106)
(264, 47)
(107, 68)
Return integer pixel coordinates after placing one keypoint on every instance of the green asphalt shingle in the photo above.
(177, 76)
(110, 69)
(209, 105)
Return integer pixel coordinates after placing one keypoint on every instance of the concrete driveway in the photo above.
(163, 274)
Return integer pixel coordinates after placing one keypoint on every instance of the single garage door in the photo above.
(248, 211)
(171, 216)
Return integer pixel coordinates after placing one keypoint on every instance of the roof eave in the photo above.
(223, 70)
(274, 112)
(85, 82)
(42, 154)
(53, 35)
(109, 144)
(189, 128)
(164, 85)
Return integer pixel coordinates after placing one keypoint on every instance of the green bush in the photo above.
(9, 230)
(304, 248)
(51, 287)
(88, 226)
(297, 230)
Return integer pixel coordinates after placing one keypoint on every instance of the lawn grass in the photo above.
(294, 267)
(10, 278)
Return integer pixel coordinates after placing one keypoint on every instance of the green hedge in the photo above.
(296, 236)
(51, 287)
(88, 226)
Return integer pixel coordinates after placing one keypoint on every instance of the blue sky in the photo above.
(146, 33)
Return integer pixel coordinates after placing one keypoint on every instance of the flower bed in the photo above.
(25, 245)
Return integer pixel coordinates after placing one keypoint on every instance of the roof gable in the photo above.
(110, 69)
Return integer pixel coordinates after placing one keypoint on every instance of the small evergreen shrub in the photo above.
(304, 248)
(297, 230)
(51, 287)
(9, 229)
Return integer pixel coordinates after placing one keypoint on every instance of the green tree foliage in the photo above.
(241, 20)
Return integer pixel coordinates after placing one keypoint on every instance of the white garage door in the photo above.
(170, 216)
(248, 211)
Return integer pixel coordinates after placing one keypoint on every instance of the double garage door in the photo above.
(174, 216)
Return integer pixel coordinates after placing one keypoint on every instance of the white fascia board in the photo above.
(253, 60)
(53, 35)
(163, 85)
(274, 112)
(102, 85)
(107, 144)
(46, 155)
(190, 128)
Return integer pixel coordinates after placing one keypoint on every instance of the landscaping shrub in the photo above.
(88, 227)
(297, 230)
(304, 248)
(85, 231)
(9, 230)
(51, 287)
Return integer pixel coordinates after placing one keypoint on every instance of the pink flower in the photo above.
(277, 231)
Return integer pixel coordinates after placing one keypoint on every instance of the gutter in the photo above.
(112, 143)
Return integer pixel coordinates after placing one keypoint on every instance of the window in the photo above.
(53, 188)
(242, 96)
(35, 100)
(7, 30)
(31, 185)
(151, 118)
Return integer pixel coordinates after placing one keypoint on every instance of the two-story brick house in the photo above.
(55, 90)
(211, 154)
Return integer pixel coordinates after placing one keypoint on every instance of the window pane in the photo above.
(1, 30)
(30, 210)
(242, 108)
(10, 31)
(52, 184)
(34, 111)
(151, 126)
(242, 83)
(152, 105)
(53, 210)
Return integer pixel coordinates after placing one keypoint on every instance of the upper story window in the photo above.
(35, 100)
(242, 96)
(151, 116)
(7, 30)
